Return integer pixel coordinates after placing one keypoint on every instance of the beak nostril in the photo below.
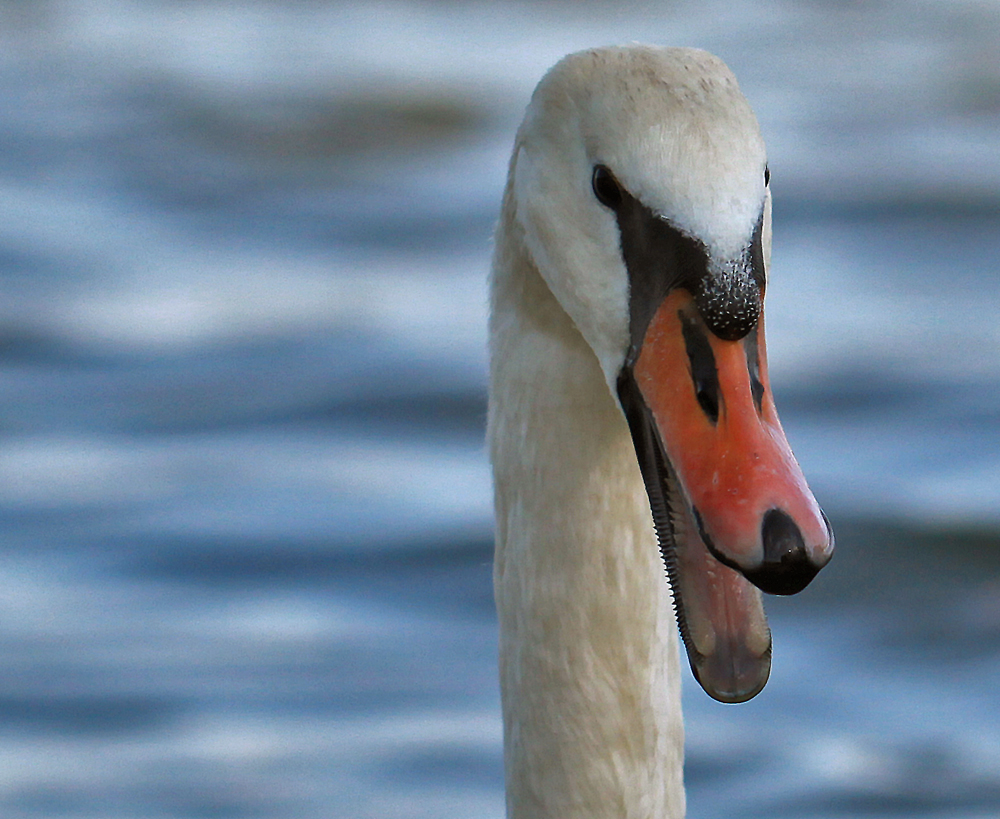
(704, 370)
(753, 369)
(709, 402)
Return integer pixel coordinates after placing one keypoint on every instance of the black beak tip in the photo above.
(784, 578)
(786, 568)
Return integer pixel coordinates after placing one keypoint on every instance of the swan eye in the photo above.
(767, 176)
(606, 187)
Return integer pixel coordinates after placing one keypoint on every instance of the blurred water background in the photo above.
(244, 499)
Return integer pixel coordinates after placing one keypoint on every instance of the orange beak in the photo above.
(730, 503)
(713, 408)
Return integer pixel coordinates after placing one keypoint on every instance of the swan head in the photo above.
(640, 185)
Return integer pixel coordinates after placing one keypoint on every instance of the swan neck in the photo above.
(588, 644)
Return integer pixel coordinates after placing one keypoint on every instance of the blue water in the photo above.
(245, 505)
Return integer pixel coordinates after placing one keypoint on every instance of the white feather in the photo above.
(589, 665)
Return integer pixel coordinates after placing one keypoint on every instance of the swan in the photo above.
(642, 480)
